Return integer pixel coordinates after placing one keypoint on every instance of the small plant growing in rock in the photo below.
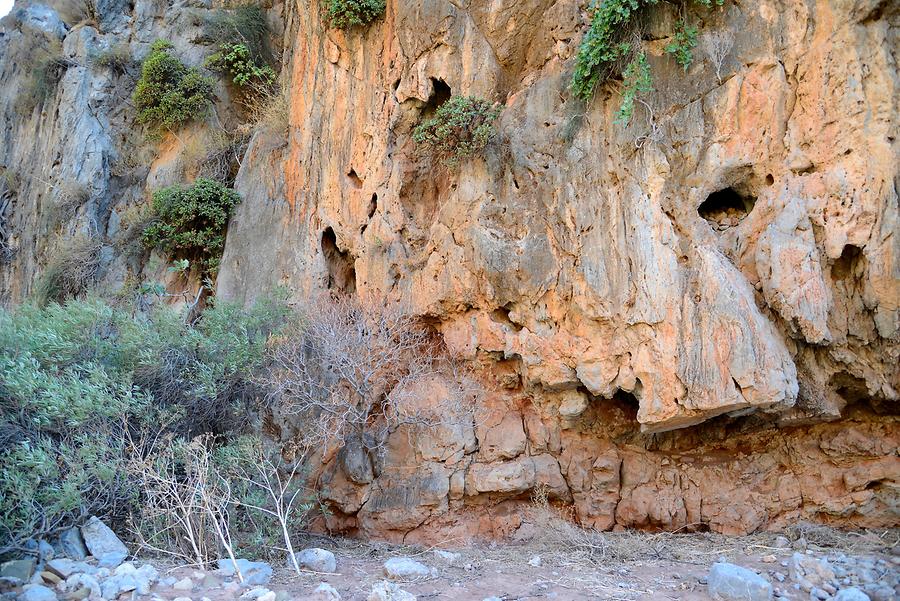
(344, 14)
(460, 128)
(169, 94)
(190, 221)
(682, 44)
(48, 70)
(604, 50)
(117, 58)
(236, 62)
(72, 268)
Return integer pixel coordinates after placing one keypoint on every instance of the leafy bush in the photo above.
(169, 94)
(191, 220)
(80, 385)
(637, 83)
(344, 14)
(236, 61)
(460, 128)
(245, 25)
(604, 48)
(682, 44)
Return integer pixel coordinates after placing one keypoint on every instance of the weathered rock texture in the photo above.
(689, 321)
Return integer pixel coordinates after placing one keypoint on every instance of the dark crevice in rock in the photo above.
(373, 206)
(440, 94)
(341, 270)
(726, 208)
(354, 179)
(501, 315)
(847, 264)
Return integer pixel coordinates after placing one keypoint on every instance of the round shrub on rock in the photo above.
(190, 221)
(169, 93)
(344, 14)
(460, 128)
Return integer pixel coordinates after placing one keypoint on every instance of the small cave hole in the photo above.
(627, 403)
(354, 179)
(440, 94)
(373, 206)
(770, 179)
(501, 315)
(845, 265)
(341, 272)
(726, 208)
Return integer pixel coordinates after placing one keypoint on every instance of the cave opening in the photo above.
(440, 94)
(846, 265)
(341, 270)
(726, 208)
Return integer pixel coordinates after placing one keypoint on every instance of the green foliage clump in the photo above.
(169, 94)
(637, 83)
(344, 14)
(604, 48)
(245, 25)
(682, 44)
(190, 221)
(82, 383)
(236, 61)
(460, 128)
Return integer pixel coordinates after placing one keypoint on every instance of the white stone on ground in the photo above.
(315, 559)
(325, 592)
(729, 582)
(37, 592)
(404, 568)
(851, 594)
(448, 557)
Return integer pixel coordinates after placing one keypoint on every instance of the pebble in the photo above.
(535, 561)
(768, 559)
(185, 584)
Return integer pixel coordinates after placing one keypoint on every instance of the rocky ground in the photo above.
(630, 566)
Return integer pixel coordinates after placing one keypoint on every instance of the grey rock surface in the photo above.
(71, 544)
(729, 582)
(389, 591)
(102, 542)
(315, 559)
(404, 568)
(254, 572)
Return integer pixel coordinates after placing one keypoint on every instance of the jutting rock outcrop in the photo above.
(689, 321)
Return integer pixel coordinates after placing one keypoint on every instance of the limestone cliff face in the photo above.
(690, 321)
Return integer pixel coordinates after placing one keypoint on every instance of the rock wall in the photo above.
(691, 321)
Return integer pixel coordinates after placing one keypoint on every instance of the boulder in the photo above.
(315, 559)
(325, 592)
(23, 569)
(72, 545)
(103, 543)
(185, 584)
(404, 568)
(37, 592)
(810, 569)
(8, 584)
(388, 591)
(729, 582)
(255, 573)
(66, 567)
(86, 583)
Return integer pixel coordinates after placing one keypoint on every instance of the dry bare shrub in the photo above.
(72, 268)
(270, 112)
(74, 12)
(184, 509)
(717, 45)
(70, 196)
(215, 155)
(8, 188)
(349, 370)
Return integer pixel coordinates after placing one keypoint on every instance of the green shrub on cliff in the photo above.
(344, 14)
(609, 46)
(237, 63)
(190, 221)
(168, 93)
(460, 128)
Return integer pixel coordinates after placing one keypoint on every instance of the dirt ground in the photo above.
(627, 566)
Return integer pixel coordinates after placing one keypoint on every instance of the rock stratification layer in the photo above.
(689, 321)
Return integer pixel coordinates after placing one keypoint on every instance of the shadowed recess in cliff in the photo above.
(726, 208)
(341, 272)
